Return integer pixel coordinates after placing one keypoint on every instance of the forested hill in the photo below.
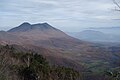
(17, 65)
(28, 65)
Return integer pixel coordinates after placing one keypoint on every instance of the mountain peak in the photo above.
(42, 26)
(27, 26)
(21, 28)
(45, 23)
(26, 23)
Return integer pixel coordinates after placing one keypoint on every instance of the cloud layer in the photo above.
(68, 15)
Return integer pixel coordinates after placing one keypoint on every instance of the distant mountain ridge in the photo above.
(41, 34)
(59, 48)
(27, 26)
(117, 27)
(95, 36)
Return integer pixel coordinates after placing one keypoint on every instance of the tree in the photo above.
(117, 8)
(35, 68)
(18, 65)
(113, 74)
(5, 63)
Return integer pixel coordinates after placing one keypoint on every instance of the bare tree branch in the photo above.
(118, 5)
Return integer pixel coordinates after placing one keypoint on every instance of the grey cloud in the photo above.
(66, 14)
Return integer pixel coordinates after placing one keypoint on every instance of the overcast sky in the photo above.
(67, 15)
